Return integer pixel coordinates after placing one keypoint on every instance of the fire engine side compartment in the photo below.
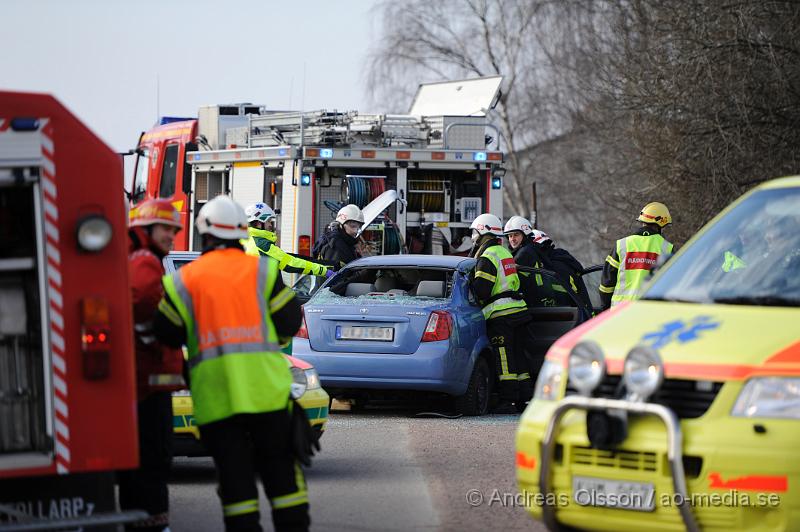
(92, 423)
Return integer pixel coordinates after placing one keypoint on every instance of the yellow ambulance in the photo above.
(681, 410)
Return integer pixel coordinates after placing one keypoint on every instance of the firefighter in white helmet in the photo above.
(262, 240)
(338, 245)
(496, 285)
(223, 306)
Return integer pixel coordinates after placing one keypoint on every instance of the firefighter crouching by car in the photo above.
(262, 241)
(152, 231)
(496, 284)
(631, 260)
(561, 261)
(232, 310)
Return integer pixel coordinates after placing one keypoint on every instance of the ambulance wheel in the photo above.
(475, 401)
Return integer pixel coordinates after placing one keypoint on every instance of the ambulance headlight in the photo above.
(587, 367)
(643, 372)
(94, 233)
(548, 384)
(299, 382)
(312, 379)
(769, 397)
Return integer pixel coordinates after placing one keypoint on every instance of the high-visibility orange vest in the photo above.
(234, 358)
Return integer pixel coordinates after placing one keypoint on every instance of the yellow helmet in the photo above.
(655, 213)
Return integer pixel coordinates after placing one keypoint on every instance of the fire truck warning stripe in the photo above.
(61, 429)
(61, 469)
(50, 209)
(47, 145)
(61, 407)
(60, 385)
(53, 254)
(55, 297)
(54, 275)
(56, 318)
(58, 362)
(49, 166)
(48, 185)
(58, 342)
(51, 230)
(62, 450)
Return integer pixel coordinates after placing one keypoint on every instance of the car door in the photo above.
(552, 320)
(306, 286)
(591, 279)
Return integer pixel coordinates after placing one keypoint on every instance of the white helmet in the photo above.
(350, 213)
(540, 237)
(487, 224)
(518, 223)
(223, 218)
(259, 212)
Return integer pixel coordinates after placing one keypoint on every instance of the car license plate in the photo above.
(620, 494)
(381, 334)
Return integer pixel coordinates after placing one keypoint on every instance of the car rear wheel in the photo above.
(475, 401)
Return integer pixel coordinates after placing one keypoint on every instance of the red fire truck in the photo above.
(67, 393)
(443, 159)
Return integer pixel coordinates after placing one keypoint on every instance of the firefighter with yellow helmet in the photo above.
(496, 285)
(631, 260)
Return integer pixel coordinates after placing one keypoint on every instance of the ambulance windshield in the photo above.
(749, 257)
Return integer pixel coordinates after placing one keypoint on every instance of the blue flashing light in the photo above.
(497, 183)
(170, 119)
(305, 180)
(196, 156)
(25, 124)
(479, 156)
(282, 152)
(326, 153)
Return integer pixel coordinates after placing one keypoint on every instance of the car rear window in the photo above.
(400, 285)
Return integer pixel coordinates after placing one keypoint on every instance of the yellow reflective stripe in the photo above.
(503, 363)
(487, 276)
(612, 261)
(558, 288)
(279, 301)
(539, 281)
(293, 499)
(524, 377)
(508, 377)
(606, 289)
(239, 508)
(170, 313)
(506, 312)
(572, 282)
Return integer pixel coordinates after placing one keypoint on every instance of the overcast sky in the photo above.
(105, 59)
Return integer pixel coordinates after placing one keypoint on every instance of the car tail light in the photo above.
(304, 245)
(95, 338)
(438, 327)
(302, 332)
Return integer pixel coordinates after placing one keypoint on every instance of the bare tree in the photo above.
(447, 39)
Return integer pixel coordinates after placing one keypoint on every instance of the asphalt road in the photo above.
(386, 470)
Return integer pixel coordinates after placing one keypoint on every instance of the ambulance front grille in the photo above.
(618, 459)
(688, 399)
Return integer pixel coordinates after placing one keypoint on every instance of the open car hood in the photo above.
(377, 206)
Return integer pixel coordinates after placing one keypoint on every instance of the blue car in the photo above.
(409, 323)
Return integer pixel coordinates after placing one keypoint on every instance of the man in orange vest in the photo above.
(232, 311)
(153, 227)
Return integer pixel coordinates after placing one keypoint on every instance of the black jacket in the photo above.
(340, 248)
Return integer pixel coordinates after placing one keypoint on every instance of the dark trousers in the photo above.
(146, 488)
(508, 336)
(246, 444)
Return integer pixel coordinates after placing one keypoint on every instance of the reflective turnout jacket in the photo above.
(226, 307)
(629, 264)
(496, 283)
(262, 242)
